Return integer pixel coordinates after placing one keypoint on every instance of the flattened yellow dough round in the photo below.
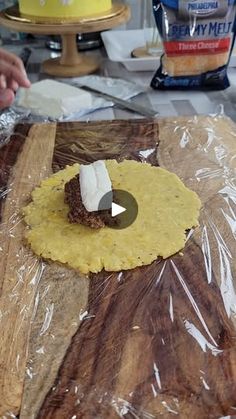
(166, 209)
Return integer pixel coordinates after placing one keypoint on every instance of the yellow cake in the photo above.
(64, 8)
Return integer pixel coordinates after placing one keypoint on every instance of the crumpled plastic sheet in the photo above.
(165, 344)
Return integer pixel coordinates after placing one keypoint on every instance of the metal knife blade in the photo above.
(134, 107)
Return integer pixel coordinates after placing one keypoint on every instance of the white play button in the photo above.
(116, 209)
(123, 209)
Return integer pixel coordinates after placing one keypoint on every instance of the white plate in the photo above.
(120, 44)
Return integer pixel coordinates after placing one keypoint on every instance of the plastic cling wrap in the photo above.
(157, 341)
(198, 37)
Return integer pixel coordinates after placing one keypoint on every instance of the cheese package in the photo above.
(198, 38)
(54, 99)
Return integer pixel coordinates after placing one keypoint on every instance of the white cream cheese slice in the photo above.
(95, 182)
(54, 99)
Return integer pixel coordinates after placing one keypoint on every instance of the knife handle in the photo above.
(25, 55)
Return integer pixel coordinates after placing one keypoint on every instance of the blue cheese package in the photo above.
(198, 38)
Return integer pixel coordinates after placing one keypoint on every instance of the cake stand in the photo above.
(70, 63)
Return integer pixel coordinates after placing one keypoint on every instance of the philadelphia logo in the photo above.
(197, 7)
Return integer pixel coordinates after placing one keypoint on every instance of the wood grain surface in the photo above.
(62, 301)
(133, 357)
(19, 268)
(157, 341)
(88, 142)
(161, 340)
(67, 291)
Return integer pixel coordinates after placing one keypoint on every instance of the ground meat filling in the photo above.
(78, 213)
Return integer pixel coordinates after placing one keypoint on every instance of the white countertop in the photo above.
(167, 103)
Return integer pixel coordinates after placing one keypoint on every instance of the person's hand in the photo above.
(12, 76)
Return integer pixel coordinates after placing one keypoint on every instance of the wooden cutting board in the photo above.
(157, 340)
